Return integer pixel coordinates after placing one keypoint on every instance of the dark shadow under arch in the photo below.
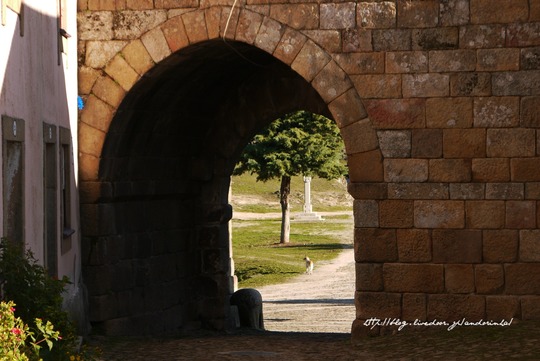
(160, 256)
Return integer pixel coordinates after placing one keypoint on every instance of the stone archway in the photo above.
(158, 140)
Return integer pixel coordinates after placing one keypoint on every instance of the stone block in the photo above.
(496, 112)
(530, 308)
(90, 139)
(121, 72)
(228, 22)
(464, 143)
(491, 170)
(504, 191)
(172, 4)
(534, 11)
(392, 40)
(459, 278)
(470, 84)
(530, 58)
(97, 114)
(511, 142)
(413, 278)
(95, 25)
(502, 308)
(359, 137)
(132, 24)
(529, 245)
(369, 277)
(88, 167)
(489, 278)
(98, 279)
(439, 214)
(520, 35)
(104, 307)
(520, 214)
(396, 214)
(532, 190)
(414, 245)
(499, 11)
(406, 62)
(467, 191)
(347, 108)
(375, 245)
(195, 25)
(297, 16)
(367, 190)
(331, 82)
(99, 53)
(457, 246)
(137, 57)
(361, 63)
(449, 112)
(100, 5)
(426, 143)
(418, 14)
(454, 12)
(290, 45)
(377, 304)
(109, 91)
(310, 60)
(451, 308)
(397, 113)
(414, 307)
(449, 170)
(329, 40)
(395, 143)
(522, 278)
(498, 59)
(86, 79)
(248, 26)
(175, 35)
(366, 167)
(452, 60)
(435, 38)
(269, 35)
(337, 15)
(426, 85)
(139, 4)
(484, 214)
(366, 213)
(482, 36)
(405, 170)
(417, 191)
(377, 85)
(523, 83)
(525, 169)
(376, 15)
(530, 112)
(355, 40)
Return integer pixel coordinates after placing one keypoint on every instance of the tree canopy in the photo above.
(300, 143)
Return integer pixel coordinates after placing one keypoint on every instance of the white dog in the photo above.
(309, 265)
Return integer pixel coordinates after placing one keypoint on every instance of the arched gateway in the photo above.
(434, 105)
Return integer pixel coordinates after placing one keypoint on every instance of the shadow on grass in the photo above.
(322, 247)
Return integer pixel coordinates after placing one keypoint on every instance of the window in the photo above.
(63, 35)
(13, 175)
(50, 199)
(18, 7)
(66, 169)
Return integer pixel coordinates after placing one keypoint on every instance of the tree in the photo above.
(300, 143)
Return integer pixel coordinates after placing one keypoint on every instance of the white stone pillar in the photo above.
(307, 195)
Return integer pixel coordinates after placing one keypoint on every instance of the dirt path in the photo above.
(320, 302)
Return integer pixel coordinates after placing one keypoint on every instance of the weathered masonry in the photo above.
(438, 104)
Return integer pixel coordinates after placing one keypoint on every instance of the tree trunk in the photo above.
(284, 192)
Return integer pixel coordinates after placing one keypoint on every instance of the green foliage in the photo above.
(39, 299)
(17, 341)
(300, 143)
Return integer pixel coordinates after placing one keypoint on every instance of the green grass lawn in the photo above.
(260, 259)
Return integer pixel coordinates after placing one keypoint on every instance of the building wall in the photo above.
(436, 101)
(39, 88)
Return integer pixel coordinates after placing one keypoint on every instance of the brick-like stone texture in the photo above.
(395, 144)
(489, 278)
(464, 143)
(414, 307)
(425, 278)
(529, 246)
(375, 15)
(502, 307)
(491, 170)
(396, 214)
(405, 170)
(457, 246)
(449, 170)
(456, 307)
(360, 130)
(449, 112)
(375, 245)
(414, 245)
(485, 214)
(397, 113)
(522, 278)
(369, 277)
(459, 278)
(439, 214)
(377, 304)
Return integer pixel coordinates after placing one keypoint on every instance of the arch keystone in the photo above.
(248, 26)
(195, 25)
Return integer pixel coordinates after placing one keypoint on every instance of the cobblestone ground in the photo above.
(516, 342)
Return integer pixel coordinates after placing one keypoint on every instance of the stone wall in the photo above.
(437, 103)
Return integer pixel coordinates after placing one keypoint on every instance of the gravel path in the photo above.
(320, 302)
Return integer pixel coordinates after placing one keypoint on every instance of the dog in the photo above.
(309, 265)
